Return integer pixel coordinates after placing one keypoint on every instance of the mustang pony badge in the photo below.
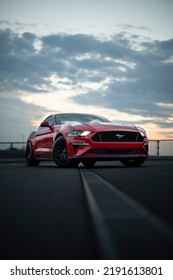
(119, 136)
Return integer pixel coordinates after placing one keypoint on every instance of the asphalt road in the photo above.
(107, 212)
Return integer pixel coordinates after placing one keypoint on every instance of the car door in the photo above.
(44, 138)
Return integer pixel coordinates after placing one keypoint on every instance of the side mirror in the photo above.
(45, 124)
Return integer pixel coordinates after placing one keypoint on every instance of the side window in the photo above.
(50, 120)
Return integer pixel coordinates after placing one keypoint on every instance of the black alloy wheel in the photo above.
(60, 154)
(88, 163)
(29, 155)
(133, 162)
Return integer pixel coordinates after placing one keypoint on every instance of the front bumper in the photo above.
(84, 147)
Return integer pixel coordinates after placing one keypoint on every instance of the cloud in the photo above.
(17, 118)
(125, 73)
(130, 26)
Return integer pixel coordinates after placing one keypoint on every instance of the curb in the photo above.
(160, 158)
(12, 160)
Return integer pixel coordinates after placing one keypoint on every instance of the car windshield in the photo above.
(71, 118)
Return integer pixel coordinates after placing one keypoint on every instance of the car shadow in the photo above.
(105, 165)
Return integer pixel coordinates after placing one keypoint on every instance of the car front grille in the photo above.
(117, 136)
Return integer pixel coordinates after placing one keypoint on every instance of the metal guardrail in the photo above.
(162, 147)
(12, 149)
(12, 145)
(17, 149)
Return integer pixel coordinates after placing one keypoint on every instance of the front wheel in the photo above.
(60, 154)
(88, 163)
(29, 155)
(133, 162)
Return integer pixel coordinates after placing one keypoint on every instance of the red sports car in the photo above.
(69, 139)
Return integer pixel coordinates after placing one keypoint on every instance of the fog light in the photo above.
(80, 144)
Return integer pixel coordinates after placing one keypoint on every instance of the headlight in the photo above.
(74, 133)
(142, 131)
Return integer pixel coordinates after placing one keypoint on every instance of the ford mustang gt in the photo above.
(69, 139)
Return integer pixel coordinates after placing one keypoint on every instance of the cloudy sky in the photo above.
(109, 57)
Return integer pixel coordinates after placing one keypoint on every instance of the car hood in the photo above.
(93, 127)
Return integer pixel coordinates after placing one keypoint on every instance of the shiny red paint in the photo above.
(84, 147)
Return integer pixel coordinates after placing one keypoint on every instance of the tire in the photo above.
(29, 155)
(88, 163)
(60, 154)
(133, 162)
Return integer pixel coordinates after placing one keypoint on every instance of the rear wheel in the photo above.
(29, 155)
(60, 154)
(88, 163)
(133, 162)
